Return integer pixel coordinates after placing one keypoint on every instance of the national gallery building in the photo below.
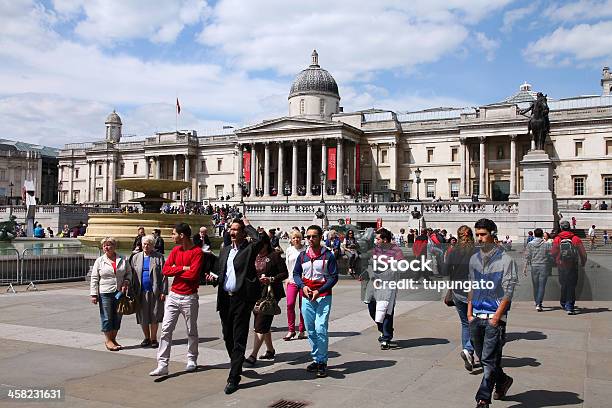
(435, 153)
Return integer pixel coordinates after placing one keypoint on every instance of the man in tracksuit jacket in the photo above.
(315, 273)
(488, 309)
(569, 269)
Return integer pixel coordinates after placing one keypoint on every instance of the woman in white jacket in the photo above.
(110, 278)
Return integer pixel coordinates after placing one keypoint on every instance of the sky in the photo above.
(66, 64)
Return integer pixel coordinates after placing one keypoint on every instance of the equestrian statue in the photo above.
(539, 125)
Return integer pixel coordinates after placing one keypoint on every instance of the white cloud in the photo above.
(107, 21)
(580, 10)
(511, 17)
(353, 38)
(488, 45)
(584, 43)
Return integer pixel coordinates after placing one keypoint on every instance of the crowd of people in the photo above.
(252, 276)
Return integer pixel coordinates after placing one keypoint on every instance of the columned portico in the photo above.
(482, 190)
(266, 169)
(280, 176)
(294, 169)
(308, 168)
(339, 169)
(513, 192)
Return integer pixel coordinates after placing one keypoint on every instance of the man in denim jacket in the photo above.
(494, 276)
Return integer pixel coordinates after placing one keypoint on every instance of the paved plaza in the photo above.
(51, 338)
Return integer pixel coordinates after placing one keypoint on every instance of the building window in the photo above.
(430, 155)
(454, 188)
(578, 149)
(99, 193)
(430, 188)
(475, 156)
(383, 185)
(475, 187)
(366, 158)
(99, 170)
(75, 196)
(203, 166)
(406, 189)
(322, 106)
(219, 164)
(337, 107)
(384, 156)
(76, 173)
(407, 156)
(301, 106)
(122, 169)
(219, 190)
(500, 152)
(2, 174)
(203, 191)
(135, 168)
(607, 185)
(365, 188)
(579, 185)
(608, 147)
(454, 154)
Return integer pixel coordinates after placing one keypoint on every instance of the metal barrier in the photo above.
(9, 268)
(66, 263)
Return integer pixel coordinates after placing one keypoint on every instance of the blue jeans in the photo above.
(386, 327)
(316, 319)
(488, 342)
(461, 308)
(539, 276)
(110, 319)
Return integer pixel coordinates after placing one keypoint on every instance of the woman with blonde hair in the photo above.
(151, 287)
(111, 275)
(456, 268)
(293, 292)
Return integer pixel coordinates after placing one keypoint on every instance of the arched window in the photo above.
(301, 106)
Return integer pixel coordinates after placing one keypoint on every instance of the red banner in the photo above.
(331, 163)
(357, 168)
(246, 166)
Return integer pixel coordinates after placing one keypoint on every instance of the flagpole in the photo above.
(176, 116)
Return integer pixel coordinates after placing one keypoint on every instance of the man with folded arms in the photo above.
(183, 263)
(488, 310)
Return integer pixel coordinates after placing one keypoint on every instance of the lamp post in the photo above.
(287, 190)
(322, 176)
(11, 185)
(241, 186)
(417, 173)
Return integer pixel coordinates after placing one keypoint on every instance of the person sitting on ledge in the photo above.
(586, 205)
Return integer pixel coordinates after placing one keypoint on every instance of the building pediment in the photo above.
(289, 123)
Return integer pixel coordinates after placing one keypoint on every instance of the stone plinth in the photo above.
(536, 204)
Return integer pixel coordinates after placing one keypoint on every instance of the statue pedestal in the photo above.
(536, 204)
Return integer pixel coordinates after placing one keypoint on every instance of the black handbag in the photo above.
(267, 304)
(128, 304)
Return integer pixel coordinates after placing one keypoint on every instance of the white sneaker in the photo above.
(468, 359)
(160, 370)
(191, 366)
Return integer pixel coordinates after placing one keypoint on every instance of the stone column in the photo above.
(482, 193)
(157, 160)
(308, 168)
(339, 169)
(266, 169)
(462, 183)
(356, 162)
(105, 185)
(70, 182)
(374, 167)
(147, 167)
(253, 170)
(280, 184)
(513, 193)
(393, 165)
(324, 163)
(111, 180)
(294, 147)
(239, 171)
(175, 168)
(187, 177)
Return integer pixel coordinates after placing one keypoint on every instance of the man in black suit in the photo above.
(238, 291)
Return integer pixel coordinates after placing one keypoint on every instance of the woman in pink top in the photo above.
(291, 255)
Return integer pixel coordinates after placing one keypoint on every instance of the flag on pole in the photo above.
(178, 107)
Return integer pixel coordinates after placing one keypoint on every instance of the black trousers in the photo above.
(568, 278)
(235, 316)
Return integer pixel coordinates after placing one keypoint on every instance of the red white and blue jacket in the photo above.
(318, 272)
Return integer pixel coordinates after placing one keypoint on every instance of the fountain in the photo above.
(124, 226)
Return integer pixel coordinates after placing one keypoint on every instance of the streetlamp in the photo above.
(11, 185)
(322, 176)
(287, 190)
(417, 174)
(241, 186)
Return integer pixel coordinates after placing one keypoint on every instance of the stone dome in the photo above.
(314, 80)
(113, 118)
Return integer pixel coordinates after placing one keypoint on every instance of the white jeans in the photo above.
(188, 306)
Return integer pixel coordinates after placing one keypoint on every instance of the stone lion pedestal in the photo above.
(536, 205)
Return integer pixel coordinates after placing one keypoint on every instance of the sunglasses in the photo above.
(311, 236)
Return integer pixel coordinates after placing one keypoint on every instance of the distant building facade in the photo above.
(461, 152)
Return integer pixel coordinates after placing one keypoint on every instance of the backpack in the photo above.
(568, 251)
